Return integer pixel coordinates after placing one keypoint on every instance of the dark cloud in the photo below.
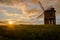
(5, 1)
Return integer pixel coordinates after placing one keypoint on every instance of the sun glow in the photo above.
(11, 25)
(10, 22)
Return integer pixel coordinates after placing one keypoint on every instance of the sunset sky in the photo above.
(27, 10)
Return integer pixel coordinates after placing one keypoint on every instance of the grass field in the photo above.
(30, 32)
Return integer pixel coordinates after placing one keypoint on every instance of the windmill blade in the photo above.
(41, 5)
(40, 15)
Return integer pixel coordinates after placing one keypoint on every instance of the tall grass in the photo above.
(30, 32)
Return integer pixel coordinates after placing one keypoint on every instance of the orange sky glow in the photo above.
(27, 10)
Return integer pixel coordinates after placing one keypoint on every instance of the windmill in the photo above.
(49, 15)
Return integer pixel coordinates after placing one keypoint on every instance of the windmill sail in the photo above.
(47, 3)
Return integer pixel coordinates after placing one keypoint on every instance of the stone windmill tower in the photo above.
(49, 15)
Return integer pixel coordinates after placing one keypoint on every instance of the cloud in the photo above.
(30, 8)
(10, 9)
(24, 10)
(9, 12)
(6, 2)
(58, 19)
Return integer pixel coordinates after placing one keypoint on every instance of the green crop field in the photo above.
(30, 32)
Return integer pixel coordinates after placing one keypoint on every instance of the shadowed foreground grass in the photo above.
(30, 32)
